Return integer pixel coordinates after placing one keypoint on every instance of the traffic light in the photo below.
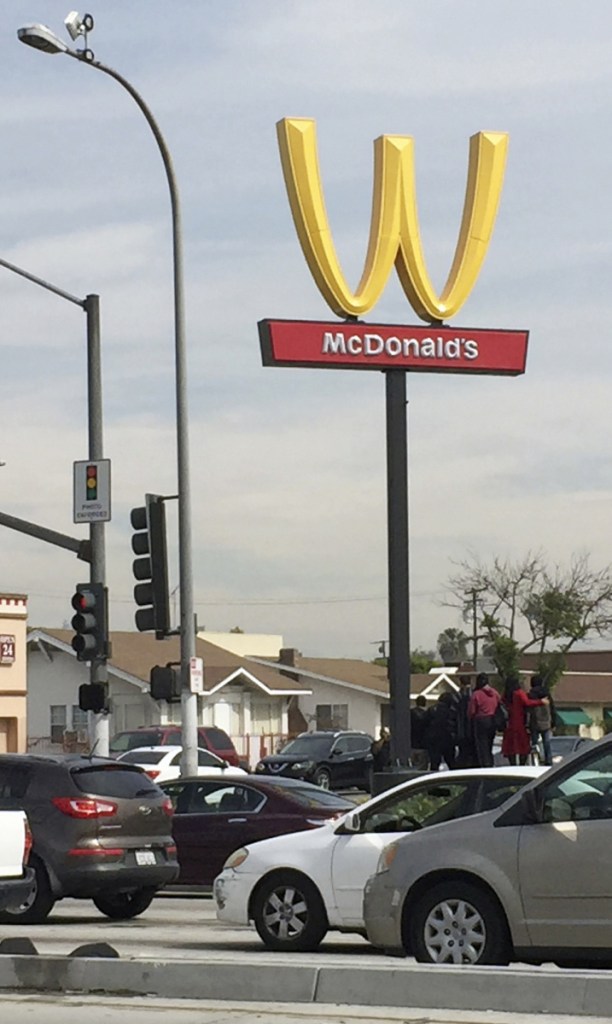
(91, 482)
(90, 602)
(92, 697)
(165, 683)
(149, 541)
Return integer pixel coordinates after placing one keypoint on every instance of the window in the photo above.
(496, 791)
(428, 805)
(585, 794)
(342, 745)
(79, 717)
(114, 781)
(359, 744)
(213, 798)
(332, 716)
(58, 722)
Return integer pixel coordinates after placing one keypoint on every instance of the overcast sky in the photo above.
(288, 465)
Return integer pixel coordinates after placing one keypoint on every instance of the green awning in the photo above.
(573, 716)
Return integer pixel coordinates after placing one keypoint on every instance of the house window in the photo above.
(58, 722)
(79, 717)
(332, 716)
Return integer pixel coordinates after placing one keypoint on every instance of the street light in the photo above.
(41, 38)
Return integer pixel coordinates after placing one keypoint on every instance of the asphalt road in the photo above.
(175, 928)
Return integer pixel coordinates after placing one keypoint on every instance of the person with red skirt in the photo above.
(516, 744)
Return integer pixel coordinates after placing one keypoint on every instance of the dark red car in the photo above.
(214, 817)
(210, 737)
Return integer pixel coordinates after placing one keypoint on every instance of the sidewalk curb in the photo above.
(581, 993)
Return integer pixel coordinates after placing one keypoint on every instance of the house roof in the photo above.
(576, 661)
(135, 654)
(362, 676)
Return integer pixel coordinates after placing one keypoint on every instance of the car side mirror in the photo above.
(225, 764)
(350, 825)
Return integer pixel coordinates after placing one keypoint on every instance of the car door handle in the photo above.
(235, 821)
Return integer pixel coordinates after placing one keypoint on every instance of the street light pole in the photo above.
(42, 38)
(98, 671)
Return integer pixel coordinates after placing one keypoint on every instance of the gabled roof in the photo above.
(361, 676)
(135, 654)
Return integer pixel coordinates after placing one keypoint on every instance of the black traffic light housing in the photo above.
(151, 568)
(90, 602)
(165, 683)
(92, 697)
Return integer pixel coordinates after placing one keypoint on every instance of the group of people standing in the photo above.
(459, 729)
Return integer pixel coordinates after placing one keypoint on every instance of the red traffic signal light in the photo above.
(90, 622)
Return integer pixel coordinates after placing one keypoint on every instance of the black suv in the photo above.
(101, 830)
(333, 760)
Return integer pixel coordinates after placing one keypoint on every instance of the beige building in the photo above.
(13, 672)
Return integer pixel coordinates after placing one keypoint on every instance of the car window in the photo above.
(583, 794)
(114, 781)
(129, 740)
(217, 738)
(314, 747)
(426, 805)
(214, 798)
(342, 745)
(359, 744)
(312, 796)
(208, 760)
(142, 757)
(13, 782)
(176, 760)
(494, 792)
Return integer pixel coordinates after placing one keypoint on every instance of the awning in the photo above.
(573, 716)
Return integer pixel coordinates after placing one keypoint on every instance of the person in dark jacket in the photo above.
(541, 718)
(419, 715)
(464, 729)
(381, 751)
(439, 734)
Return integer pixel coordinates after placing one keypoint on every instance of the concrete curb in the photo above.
(579, 993)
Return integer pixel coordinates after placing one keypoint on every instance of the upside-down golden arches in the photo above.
(394, 229)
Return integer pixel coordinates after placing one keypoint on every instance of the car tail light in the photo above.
(27, 847)
(84, 807)
(168, 807)
(171, 851)
(152, 772)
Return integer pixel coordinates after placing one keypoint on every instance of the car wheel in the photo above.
(289, 913)
(123, 905)
(37, 907)
(322, 778)
(458, 923)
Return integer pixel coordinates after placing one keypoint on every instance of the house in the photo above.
(344, 693)
(13, 672)
(256, 705)
(583, 695)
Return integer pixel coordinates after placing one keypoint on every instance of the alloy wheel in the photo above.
(285, 912)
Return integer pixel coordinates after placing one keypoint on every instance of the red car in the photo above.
(209, 738)
(213, 817)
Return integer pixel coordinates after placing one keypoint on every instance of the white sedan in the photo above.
(162, 764)
(295, 887)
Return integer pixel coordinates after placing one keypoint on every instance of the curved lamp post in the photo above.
(41, 38)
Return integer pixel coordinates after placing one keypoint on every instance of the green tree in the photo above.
(453, 645)
(531, 606)
(421, 661)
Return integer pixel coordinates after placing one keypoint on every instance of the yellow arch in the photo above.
(394, 228)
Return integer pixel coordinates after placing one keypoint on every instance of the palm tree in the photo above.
(452, 645)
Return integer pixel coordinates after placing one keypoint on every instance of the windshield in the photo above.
(142, 757)
(128, 740)
(311, 746)
(111, 781)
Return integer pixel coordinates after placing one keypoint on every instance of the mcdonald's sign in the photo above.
(394, 241)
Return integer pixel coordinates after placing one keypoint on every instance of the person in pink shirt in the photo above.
(481, 711)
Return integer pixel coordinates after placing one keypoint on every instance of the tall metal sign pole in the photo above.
(390, 348)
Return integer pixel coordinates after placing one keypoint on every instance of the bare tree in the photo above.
(530, 606)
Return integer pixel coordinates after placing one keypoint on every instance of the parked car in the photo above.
(209, 738)
(162, 764)
(296, 887)
(531, 880)
(332, 760)
(214, 817)
(16, 878)
(560, 747)
(101, 830)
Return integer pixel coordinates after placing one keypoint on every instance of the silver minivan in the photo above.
(530, 881)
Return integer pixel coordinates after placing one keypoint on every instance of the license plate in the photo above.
(145, 857)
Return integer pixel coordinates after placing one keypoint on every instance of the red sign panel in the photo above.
(346, 345)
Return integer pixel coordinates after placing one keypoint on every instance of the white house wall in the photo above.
(363, 708)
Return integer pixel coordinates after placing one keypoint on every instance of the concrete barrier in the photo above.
(513, 990)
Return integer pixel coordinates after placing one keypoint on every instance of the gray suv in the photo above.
(101, 830)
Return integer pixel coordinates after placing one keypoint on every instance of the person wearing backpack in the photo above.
(481, 712)
(541, 719)
(516, 744)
